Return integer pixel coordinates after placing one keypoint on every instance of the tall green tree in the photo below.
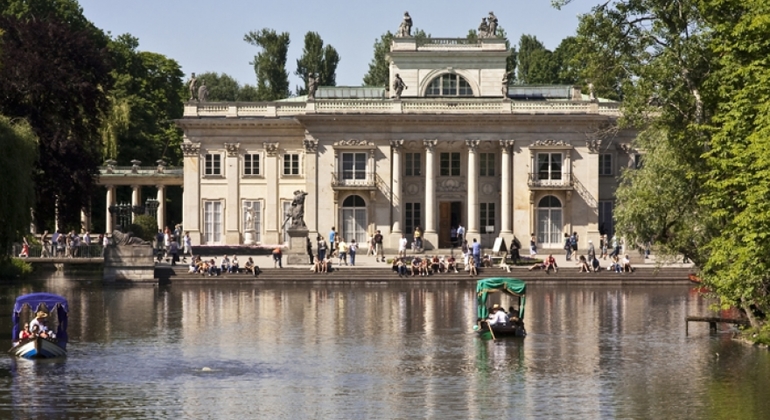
(63, 103)
(221, 87)
(270, 63)
(18, 153)
(535, 62)
(379, 68)
(317, 59)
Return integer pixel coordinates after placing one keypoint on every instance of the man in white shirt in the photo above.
(498, 316)
(402, 246)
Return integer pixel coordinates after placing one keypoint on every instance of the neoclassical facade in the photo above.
(453, 149)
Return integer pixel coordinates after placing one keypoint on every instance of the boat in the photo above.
(513, 287)
(37, 347)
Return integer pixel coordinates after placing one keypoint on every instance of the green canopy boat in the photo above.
(512, 287)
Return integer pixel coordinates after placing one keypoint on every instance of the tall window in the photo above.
(212, 222)
(251, 164)
(354, 165)
(412, 163)
(487, 164)
(449, 85)
(549, 166)
(450, 164)
(412, 216)
(213, 164)
(291, 164)
(549, 221)
(256, 221)
(354, 219)
(605, 164)
(487, 215)
(606, 224)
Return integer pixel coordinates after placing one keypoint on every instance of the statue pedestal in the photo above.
(297, 253)
(249, 237)
(133, 263)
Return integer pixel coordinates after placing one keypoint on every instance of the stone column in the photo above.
(85, 220)
(395, 193)
(473, 189)
(136, 199)
(161, 216)
(233, 207)
(109, 224)
(311, 176)
(191, 210)
(430, 187)
(505, 198)
(273, 212)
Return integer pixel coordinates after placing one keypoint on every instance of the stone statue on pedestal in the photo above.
(203, 92)
(405, 29)
(297, 210)
(249, 233)
(398, 86)
(312, 85)
(191, 84)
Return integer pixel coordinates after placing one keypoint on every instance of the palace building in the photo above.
(457, 147)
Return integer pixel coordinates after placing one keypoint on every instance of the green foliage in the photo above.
(379, 68)
(18, 152)
(317, 59)
(145, 227)
(221, 88)
(12, 268)
(270, 63)
(534, 62)
(248, 93)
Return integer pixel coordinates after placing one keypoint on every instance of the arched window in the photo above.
(549, 221)
(353, 216)
(449, 85)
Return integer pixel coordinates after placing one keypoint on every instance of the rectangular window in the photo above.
(487, 164)
(213, 164)
(605, 164)
(412, 215)
(450, 164)
(354, 165)
(549, 166)
(413, 162)
(256, 221)
(606, 224)
(212, 222)
(251, 164)
(291, 164)
(487, 215)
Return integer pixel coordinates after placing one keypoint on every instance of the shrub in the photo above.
(145, 227)
(11, 268)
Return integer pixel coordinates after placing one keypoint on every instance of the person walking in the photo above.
(352, 249)
(342, 248)
(379, 253)
(476, 248)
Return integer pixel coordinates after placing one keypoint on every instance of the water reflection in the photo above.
(381, 351)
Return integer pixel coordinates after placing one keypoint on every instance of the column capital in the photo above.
(310, 143)
(232, 149)
(397, 144)
(430, 144)
(507, 144)
(271, 148)
(472, 145)
(191, 149)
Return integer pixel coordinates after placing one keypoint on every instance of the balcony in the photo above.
(354, 180)
(546, 181)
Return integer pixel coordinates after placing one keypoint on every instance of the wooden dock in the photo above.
(713, 321)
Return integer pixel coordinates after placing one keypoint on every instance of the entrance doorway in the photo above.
(450, 215)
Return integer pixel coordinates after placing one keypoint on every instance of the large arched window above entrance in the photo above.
(353, 217)
(449, 85)
(549, 221)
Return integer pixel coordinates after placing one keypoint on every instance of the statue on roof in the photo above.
(492, 22)
(203, 92)
(398, 86)
(405, 29)
(312, 85)
(506, 82)
(483, 28)
(191, 84)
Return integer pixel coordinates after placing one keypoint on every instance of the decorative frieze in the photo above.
(271, 148)
(232, 149)
(355, 143)
(550, 143)
(451, 185)
(191, 149)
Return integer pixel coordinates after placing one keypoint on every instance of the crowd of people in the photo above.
(38, 327)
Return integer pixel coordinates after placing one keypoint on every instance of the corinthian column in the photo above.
(505, 199)
(430, 186)
(473, 187)
(395, 198)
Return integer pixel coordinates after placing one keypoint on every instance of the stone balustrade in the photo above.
(405, 106)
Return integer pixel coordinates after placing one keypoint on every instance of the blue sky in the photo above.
(208, 36)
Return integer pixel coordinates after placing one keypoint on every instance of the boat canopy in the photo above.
(512, 286)
(35, 301)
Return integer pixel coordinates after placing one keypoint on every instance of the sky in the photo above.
(208, 36)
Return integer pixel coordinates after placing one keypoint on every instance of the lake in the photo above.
(380, 351)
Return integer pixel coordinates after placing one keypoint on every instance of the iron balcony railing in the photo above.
(550, 180)
(354, 179)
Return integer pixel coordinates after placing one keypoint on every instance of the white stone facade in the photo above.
(439, 156)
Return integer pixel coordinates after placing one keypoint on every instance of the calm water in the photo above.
(380, 351)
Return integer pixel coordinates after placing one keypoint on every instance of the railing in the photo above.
(545, 180)
(354, 179)
(404, 106)
(82, 251)
(139, 170)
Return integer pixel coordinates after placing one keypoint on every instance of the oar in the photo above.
(491, 332)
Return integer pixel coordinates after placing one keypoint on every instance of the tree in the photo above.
(18, 152)
(63, 104)
(317, 59)
(535, 62)
(379, 68)
(270, 63)
(221, 88)
(248, 93)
